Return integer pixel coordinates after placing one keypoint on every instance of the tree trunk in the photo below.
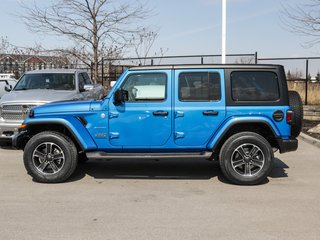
(95, 65)
(95, 46)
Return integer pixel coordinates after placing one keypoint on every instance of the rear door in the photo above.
(199, 105)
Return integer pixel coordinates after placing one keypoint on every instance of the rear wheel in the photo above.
(246, 158)
(50, 157)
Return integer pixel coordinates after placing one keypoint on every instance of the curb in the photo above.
(309, 139)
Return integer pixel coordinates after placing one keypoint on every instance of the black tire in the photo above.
(53, 152)
(296, 106)
(230, 157)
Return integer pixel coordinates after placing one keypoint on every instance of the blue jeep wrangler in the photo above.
(236, 114)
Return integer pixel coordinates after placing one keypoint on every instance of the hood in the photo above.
(37, 96)
(63, 107)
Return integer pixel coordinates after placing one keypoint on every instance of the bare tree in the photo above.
(318, 77)
(142, 43)
(303, 19)
(294, 75)
(94, 26)
(6, 47)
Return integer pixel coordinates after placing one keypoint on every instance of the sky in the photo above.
(188, 27)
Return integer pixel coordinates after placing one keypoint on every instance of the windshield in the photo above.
(54, 81)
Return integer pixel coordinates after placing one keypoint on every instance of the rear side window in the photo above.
(199, 86)
(254, 86)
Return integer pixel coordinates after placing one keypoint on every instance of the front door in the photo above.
(144, 120)
(199, 106)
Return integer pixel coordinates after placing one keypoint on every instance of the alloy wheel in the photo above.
(48, 158)
(247, 160)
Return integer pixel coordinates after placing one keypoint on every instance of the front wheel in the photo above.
(246, 158)
(50, 157)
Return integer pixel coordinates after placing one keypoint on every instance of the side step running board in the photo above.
(106, 155)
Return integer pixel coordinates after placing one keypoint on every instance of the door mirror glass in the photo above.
(88, 87)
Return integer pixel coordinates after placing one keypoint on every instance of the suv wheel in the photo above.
(296, 105)
(246, 158)
(50, 157)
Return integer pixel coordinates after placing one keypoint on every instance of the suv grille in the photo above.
(15, 112)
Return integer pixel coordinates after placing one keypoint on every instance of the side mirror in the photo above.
(8, 88)
(87, 87)
(112, 83)
(120, 96)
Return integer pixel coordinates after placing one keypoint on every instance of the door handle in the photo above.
(160, 113)
(210, 113)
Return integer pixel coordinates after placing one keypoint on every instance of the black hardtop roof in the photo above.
(207, 66)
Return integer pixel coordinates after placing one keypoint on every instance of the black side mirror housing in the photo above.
(8, 88)
(120, 96)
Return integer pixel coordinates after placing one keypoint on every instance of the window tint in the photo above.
(82, 81)
(199, 86)
(254, 86)
(86, 78)
(146, 87)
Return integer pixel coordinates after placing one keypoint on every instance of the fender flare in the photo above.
(226, 126)
(75, 127)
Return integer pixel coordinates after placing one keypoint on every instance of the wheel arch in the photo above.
(72, 128)
(260, 126)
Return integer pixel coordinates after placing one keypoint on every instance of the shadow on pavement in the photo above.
(279, 169)
(7, 147)
(148, 169)
(173, 169)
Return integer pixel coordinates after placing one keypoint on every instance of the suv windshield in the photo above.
(54, 81)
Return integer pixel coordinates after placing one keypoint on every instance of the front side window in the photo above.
(82, 81)
(54, 81)
(86, 78)
(199, 86)
(146, 87)
(254, 86)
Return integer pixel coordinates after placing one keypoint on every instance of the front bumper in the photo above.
(5, 141)
(287, 145)
(20, 139)
(7, 131)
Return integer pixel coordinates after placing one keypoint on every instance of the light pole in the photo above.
(224, 31)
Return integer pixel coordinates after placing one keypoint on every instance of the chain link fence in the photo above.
(302, 73)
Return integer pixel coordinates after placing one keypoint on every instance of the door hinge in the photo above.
(114, 135)
(179, 114)
(113, 115)
(179, 135)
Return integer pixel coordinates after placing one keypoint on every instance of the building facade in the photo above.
(18, 64)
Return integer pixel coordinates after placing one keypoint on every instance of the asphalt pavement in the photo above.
(167, 199)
